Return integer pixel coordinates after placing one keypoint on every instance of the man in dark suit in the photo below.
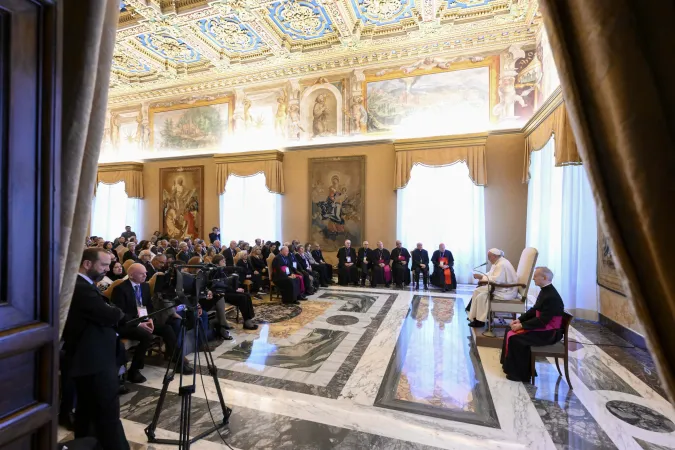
(214, 235)
(317, 254)
(363, 262)
(133, 298)
(347, 268)
(420, 264)
(90, 345)
(173, 249)
(286, 278)
(400, 257)
(127, 234)
(229, 254)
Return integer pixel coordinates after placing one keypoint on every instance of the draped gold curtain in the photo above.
(616, 68)
(89, 41)
(246, 164)
(130, 173)
(551, 119)
(441, 151)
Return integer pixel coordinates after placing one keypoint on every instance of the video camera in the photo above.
(187, 288)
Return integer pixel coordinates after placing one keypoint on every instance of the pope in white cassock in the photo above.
(501, 272)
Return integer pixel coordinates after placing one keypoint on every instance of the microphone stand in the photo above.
(489, 332)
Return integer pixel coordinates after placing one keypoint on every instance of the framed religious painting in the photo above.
(199, 125)
(181, 190)
(337, 198)
(609, 275)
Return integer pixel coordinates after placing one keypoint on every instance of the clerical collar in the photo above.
(547, 285)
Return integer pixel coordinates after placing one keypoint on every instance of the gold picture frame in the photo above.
(155, 110)
(181, 191)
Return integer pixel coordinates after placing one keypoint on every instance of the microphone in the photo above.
(484, 264)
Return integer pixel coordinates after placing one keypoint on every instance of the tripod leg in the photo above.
(213, 371)
(168, 378)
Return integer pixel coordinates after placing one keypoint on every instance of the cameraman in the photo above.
(233, 296)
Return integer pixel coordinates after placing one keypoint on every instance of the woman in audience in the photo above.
(249, 273)
(116, 271)
(210, 253)
(259, 264)
(130, 253)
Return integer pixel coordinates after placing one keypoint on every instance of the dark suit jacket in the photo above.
(396, 252)
(437, 256)
(376, 254)
(364, 253)
(184, 256)
(213, 237)
(420, 257)
(278, 262)
(229, 255)
(90, 340)
(318, 256)
(171, 252)
(150, 269)
(343, 254)
(130, 255)
(125, 299)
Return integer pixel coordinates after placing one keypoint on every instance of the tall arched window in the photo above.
(112, 210)
(248, 210)
(442, 204)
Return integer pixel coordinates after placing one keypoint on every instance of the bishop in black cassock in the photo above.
(380, 266)
(400, 258)
(540, 325)
(420, 264)
(363, 262)
(347, 268)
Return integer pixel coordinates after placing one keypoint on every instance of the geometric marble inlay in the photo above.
(358, 303)
(640, 416)
(342, 320)
(649, 446)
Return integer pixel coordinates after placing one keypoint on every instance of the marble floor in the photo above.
(364, 368)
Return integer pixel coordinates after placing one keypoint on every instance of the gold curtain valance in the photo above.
(247, 164)
(551, 120)
(130, 173)
(441, 151)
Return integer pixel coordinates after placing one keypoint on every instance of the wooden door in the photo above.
(29, 222)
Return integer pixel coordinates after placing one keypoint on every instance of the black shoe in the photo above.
(123, 390)
(324, 285)
(136, 377)
(426, 288)
(227, 326)
(302, 298)
(293, 303)
(387, 285)
(477, 324)
(445, 289)
(249, 325)
(224, 334)
(512, 378)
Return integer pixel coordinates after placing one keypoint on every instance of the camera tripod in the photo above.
(185, 391)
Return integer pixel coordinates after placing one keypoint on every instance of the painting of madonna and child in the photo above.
(337, 201)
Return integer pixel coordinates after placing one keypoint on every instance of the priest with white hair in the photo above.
(501, 272)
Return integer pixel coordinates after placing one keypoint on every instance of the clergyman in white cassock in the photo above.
(501, 272)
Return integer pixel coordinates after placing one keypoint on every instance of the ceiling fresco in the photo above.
(164, 44)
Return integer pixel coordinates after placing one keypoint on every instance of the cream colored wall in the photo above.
(152, 199)
(506, 195)
(619, 309)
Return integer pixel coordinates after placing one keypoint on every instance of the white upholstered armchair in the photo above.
(526, 265)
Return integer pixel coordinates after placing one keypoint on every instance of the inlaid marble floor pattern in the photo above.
(397, 369)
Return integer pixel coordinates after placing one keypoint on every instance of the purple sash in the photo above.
(554, 324)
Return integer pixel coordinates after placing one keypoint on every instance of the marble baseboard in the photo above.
(626, 333)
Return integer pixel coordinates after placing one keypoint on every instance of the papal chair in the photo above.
(526, 265)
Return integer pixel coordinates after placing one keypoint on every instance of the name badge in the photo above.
(295, 265)
(248, 276)
(288, 271)
(142, 311)
(349, 259)
(365, 260)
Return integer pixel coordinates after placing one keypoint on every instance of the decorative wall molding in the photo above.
(546, 109)
(268, 155)
(121, 167)
(439, 142)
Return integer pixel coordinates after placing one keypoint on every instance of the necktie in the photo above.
(137, 290)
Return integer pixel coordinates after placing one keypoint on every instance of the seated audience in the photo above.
(311, 278)
(237, 297)
(540, 325)
(259, 264)
(400, 258)
(144, 257)
(381, 269)
(363, 262)
(286, 278)
(157, 264)
(183, 254)
(91, 355)
(444, 275)
(133, 298)
(130, 253)
(116, 271)
(250, 274)
(216, 246)
(324, 270)
(128, 234)
(501, 272)
(347, 269)
(210, 253)
(420, 264)
(173, 249)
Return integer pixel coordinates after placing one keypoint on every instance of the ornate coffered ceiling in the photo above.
(166, 47)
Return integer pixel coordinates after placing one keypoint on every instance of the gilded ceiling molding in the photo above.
(229, 158)
(547, 108)
(120, 167)
(440, 142)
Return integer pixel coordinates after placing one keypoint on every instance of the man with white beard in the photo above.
(501, 272)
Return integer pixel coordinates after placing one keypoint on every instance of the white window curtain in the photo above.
(562, 225)
(249, 211)
(112, 210)
(441, 204)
